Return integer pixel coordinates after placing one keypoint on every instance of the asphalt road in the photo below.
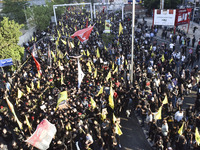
(133, 137)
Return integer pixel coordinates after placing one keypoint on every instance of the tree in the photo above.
(155, 4)
(172, 4)
(14, 9)
(152, 4)
(41, 15)
(9, 37)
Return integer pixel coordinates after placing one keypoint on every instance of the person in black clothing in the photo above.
(189, 137)
(193, 40)
(194, 29)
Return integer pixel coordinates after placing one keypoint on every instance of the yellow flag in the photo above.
(93, 103)
(89, 67)
(32, 85)
(64, 42)
(180, 131)
(116, 70)
(126, 62)
(35, 38)
(92, 63)
(95, 73)
(58, 34)
(119, 132)
(57, 42)
(110, 100)
(78, 42)
(108, 76)
(72, 45)
(100, 91)
(103, 116)
(61, 79)
(97, 33)
(163, 58)
(54, 56)
(61, 97)
(158, 116)
(28, 123)
(105, 48)
(151, 48)
(120, 28)
(113, 66)
(88, 53)
(170, 60)
(28, 89)
(39, 75)
(38, 84)
(114, 118)
(98, 54)
(165, 101)
(83, 52)
(10, 105)
(197, 136)
(19, 93)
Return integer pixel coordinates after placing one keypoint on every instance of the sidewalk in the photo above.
(181, 27)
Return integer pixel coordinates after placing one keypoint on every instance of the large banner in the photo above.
(107, 26)
(43, 135)
(183, 16)
(164, 17)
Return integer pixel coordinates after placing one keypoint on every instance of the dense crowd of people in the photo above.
(160, 71)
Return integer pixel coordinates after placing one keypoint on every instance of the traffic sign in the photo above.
(190, 51)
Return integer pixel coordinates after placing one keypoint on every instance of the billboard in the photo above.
(183, 16)
(164, 17)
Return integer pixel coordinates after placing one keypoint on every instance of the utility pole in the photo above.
(162, 4)
(132, 50)
(193, 13)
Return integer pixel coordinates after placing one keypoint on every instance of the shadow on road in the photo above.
(133, 137)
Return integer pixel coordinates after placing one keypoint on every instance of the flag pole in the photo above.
(132, 50)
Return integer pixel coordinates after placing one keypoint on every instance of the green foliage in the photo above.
(172, 4)
(9, 37)
(41, 15)
(15, 10)
(152, 4)
(107, 38)
(155, 4)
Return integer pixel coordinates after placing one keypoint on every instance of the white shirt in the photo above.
(89, 138)
(171, 45)
(178, 116)
(178, 55)
(149, 118)
(164, 129)
(157, 82)
(183, 58)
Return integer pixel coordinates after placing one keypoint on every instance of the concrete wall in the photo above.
(26, 36)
